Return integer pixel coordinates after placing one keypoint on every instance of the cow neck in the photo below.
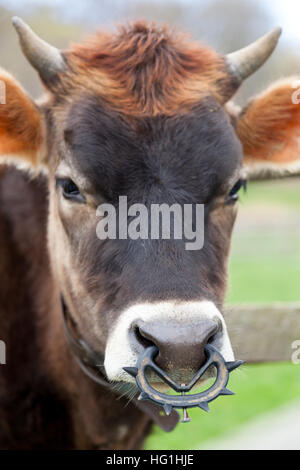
(91, 363)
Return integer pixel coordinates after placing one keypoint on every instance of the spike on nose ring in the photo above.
(183, 401)
(185, 416)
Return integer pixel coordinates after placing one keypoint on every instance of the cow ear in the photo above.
(21, 128)
(269, 129)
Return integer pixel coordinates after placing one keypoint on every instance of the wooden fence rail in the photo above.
(264, 332)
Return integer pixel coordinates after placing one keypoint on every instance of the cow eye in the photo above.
(233, 194)
(69, 189)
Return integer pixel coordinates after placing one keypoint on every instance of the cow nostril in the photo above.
(215, 333)
(211, 339)
(145, 342)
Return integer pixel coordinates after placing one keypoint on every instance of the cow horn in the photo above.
(246, 61)
(46, 59)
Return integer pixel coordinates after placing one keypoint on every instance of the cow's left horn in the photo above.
(246, 61)
(46, 59)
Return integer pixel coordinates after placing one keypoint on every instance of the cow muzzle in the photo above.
(177, 345)
(180, 331)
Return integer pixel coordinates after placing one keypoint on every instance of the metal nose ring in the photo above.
(182, 401)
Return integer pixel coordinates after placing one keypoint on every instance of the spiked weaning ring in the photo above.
(201, 400)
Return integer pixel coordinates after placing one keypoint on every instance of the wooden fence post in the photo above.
(263, 332)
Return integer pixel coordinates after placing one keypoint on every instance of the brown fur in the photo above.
(269, 127)
(46, 402)
(20, 122)
(144, 69)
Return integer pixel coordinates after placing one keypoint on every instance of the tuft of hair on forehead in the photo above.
(149, 69)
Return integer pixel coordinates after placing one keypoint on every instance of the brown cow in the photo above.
(143, 113)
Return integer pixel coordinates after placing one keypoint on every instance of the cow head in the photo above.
(145, 114)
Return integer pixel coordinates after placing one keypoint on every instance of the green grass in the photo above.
(258, 389)
(254, 281)
(264, 267)
(265, 263)
(280, 192)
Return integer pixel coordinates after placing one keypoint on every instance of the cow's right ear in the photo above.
(21, 127)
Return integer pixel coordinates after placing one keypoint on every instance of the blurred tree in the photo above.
(232, 24)
(171, 12)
